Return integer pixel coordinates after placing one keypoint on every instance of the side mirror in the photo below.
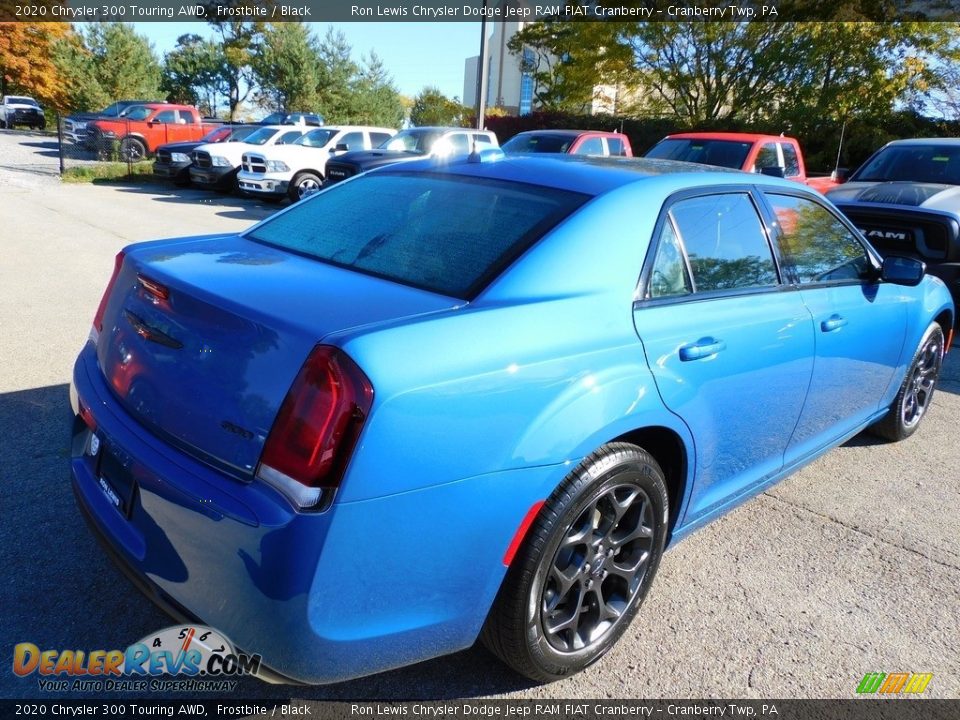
(774, 171)
(840, 175)
(341, 147)
(902, 270)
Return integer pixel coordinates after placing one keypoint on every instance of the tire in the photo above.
(304, 184)
(132, 150)
(916, 393)
(584, 567)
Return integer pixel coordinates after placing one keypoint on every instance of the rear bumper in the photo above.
(364, 587)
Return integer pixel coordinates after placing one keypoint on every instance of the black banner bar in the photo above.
(468, 10)
(548, 709)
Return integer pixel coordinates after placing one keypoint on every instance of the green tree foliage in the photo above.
(287, 67)
(195, 72)
(122, 62)
(432, 107)
(352, 93)
(791, 73)
(241, 42)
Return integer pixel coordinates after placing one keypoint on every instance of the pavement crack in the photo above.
(857, 530)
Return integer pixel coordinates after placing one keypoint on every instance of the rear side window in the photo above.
(616, 147)
(449, 235)
(791, 163)
(725, 242)
(590, 146)
(816, 243)
(767, 157)
(669, 277)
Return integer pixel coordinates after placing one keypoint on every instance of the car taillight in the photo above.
(317, 427)
(98, 318)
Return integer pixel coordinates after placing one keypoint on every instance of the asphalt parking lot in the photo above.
(850, 566)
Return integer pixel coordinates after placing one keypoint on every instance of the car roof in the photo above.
(742, 137)
(557, 131)
(587, 174)
(926, 141)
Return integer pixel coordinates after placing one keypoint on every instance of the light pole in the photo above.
(482, 70)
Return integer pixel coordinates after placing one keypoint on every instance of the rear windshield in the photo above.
(450, 235)
(723, 153)
(533, 143)
(913, 163)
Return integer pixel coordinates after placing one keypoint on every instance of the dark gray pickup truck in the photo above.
(906, 199)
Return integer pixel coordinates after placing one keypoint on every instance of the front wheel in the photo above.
(132, 150)
(584, 568)
(916, 392)
(304, 184)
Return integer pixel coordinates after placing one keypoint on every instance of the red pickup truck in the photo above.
(743, 151)
(145, 127)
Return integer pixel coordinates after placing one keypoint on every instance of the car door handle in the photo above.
(702, 348)
(834, 322)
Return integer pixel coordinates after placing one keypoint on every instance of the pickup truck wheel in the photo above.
(132, 150)
(304, 184)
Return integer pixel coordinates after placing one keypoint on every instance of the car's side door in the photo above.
(729, 345)
(859, 323)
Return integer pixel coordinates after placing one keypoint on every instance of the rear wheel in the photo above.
(304, 184)
(584, 568)
(916, 392)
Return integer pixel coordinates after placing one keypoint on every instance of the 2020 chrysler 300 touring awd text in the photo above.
(478, 397)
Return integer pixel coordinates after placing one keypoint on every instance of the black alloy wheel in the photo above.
(584, 567)
(916, 393)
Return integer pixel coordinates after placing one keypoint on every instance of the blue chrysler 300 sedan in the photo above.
(477, 398)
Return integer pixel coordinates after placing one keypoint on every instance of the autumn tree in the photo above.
(26, 61)
(432, 107)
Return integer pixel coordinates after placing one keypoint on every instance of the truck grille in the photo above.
(335, 173)
(163, 156)
(202, 159)
(902, 232)
(254, 163)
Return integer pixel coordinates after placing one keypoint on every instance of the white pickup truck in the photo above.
(20, 110)
(215, 165)
(298, 169)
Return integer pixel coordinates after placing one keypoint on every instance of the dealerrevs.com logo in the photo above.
(200, 659)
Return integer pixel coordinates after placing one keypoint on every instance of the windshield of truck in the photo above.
(261, 137)
(416, 141)
(315, 138)
(539, 143)
(450, 235)
(723, 153)
(22, 101)
(913, 163)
